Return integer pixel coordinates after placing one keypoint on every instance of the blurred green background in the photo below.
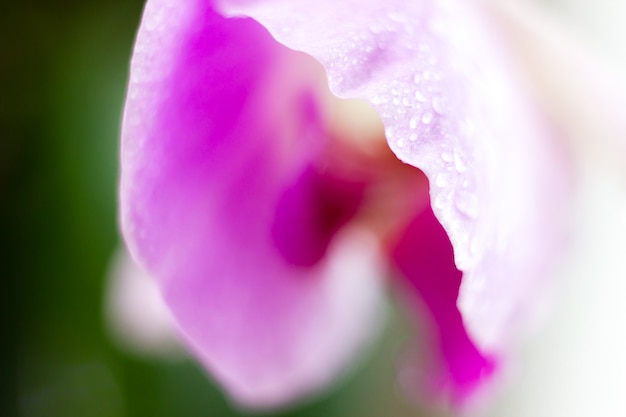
(64, 69)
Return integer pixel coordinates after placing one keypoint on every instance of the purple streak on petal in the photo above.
(218, 124)
(424, 257)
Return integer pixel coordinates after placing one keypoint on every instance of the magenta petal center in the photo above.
(310, 212)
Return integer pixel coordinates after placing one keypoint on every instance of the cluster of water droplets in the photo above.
(399, 63)
(420, 101)
(417, 109)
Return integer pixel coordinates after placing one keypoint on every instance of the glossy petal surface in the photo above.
(214, 169)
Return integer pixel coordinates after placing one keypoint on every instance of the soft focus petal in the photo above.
(136, 315)
(215, 172)
(452, 106)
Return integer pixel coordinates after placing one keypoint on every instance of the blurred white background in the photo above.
(574, 364)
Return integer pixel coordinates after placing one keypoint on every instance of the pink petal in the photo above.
(215, 172)
(455, 368)
(453, 106)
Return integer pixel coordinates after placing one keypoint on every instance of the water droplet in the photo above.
(440, 201)
(459, 163)
(413, 122)
(438, 106)
(426, 75)
(413, 137)
(427, 118)
(416, 79)
(389, 133)
(406, 102)
(400, 143)
(446, 156)
(420, 97)
(396, 101)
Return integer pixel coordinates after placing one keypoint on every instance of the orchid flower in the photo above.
(269, 208)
